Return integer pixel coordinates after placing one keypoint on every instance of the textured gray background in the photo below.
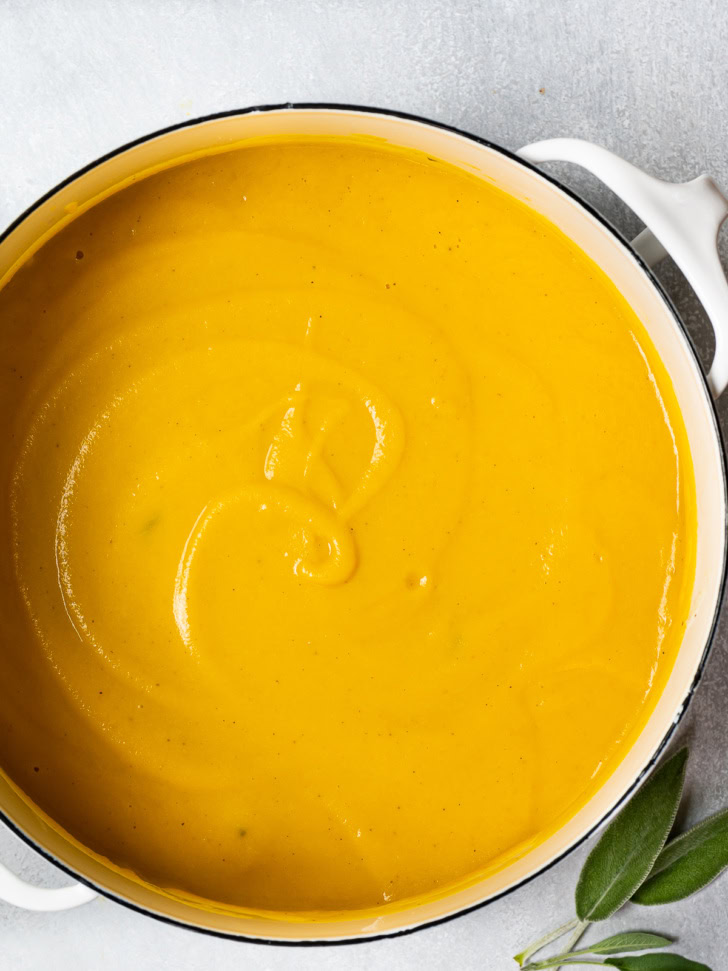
(647, 79)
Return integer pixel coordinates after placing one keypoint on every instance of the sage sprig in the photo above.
(635, 860)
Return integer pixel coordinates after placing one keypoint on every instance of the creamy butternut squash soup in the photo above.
(347, 533)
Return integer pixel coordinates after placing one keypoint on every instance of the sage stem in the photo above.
(575, 937)
(525, 955)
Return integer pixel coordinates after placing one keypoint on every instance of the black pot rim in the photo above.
(406, 116)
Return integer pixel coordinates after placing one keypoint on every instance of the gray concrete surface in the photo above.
(647, 79)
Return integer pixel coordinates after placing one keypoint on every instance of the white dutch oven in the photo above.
(682, 220)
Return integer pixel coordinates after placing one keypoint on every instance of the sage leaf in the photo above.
(630, 941)
(629, 846)
(656, 962)
(688, 863)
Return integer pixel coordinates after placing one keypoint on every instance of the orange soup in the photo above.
(347, 530)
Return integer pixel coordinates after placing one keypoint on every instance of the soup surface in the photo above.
(347, 527)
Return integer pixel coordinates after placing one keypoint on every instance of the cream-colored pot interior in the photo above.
(618, 261)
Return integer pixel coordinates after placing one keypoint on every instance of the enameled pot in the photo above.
(682, 220)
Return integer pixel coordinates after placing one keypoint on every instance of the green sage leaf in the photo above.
(656, 962)
(630, 941)
(688, 863)
(629, 846)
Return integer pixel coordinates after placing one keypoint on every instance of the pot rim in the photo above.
(710, 640)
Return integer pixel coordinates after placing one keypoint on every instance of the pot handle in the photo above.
(684, 217)
(15, 891)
